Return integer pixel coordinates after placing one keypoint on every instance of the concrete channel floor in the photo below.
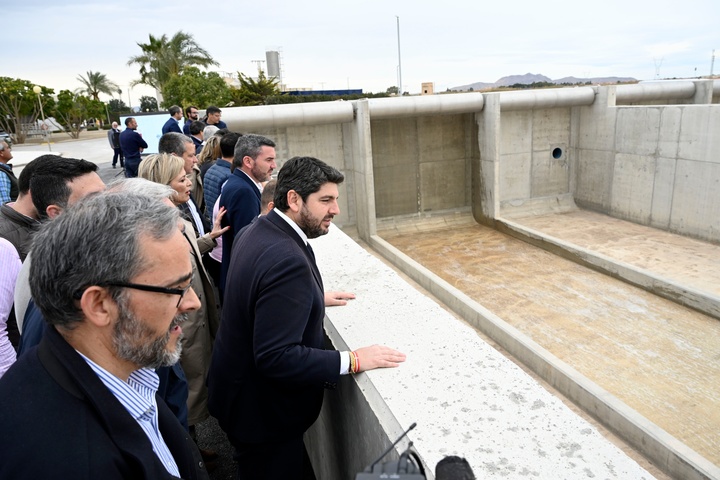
(660, 358)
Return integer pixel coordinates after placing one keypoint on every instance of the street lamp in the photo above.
(38, 90)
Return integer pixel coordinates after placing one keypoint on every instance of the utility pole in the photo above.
(658, 64)
(399, 61)
(712, 64)
(259, 64)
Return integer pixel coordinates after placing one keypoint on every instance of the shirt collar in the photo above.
(294, 225)
(136, 394)
(257, 184)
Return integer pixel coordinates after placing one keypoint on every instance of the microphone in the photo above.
(408, 467)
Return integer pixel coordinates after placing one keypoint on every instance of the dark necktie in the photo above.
(312, 254)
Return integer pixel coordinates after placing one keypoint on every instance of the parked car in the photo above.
(5, 137)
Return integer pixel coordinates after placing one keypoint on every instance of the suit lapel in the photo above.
(243, 176)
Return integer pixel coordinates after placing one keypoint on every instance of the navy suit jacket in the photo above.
(269, 367)
(241, 198)
(171, 126)
(60, 421)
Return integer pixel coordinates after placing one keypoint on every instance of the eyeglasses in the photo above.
(153, 288)
(146, 288)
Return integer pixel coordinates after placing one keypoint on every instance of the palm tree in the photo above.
(163, 58)
(96, 83)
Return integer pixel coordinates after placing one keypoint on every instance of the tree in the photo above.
(163, 58)
(194, 87)
(19, 109)
(148, 104)
(96, 83)
(391, 90)
(117, 107)
(73, 109)
(254, 92)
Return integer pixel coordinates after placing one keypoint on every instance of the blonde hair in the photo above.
(161, 168)
(211, 150)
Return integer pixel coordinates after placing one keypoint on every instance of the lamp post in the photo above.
(399, 61)
(38, 90)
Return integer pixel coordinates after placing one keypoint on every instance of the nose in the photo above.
(334, 208)
(190, 301)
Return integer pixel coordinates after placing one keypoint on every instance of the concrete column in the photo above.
(485, 185)
(362, 168)
(703, 92)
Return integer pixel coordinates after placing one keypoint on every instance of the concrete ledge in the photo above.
(702, 301)
(467, 398)
(662, 449)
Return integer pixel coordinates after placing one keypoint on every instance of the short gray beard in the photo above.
(130, 338)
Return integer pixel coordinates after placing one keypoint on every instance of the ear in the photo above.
(248, 161)
(98, 306)
(294, 201)
(53, 211)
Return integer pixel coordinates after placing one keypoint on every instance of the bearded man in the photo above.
(111, 276)
(269, 366)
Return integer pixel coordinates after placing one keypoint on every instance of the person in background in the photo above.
(191, 115)
(132, 145)
(114, 140)
(173, 123)
(8, 182)
(212, 117)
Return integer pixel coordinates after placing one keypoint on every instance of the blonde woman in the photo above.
(201, 325)
(209, 153)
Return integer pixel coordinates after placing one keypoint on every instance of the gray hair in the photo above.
(95, 242)
(141, 186)
(173, 142)
(209, 131)
(249, 145)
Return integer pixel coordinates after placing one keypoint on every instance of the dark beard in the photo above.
(311, 227)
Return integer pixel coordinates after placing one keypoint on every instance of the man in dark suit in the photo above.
(83, 403)
(132, 145)
(173, 123)
(269, 367)
(253, 163)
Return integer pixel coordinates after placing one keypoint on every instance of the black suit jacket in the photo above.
(59, 421)
(269, 368)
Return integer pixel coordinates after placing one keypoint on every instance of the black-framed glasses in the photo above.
(146, 288)
(153, 288)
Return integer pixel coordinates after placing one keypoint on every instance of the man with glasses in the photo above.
(8, 182)
(91, 409)
(191, 115)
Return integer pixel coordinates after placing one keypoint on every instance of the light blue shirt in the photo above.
(137, 395)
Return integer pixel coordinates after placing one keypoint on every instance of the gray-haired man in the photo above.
(111, 323)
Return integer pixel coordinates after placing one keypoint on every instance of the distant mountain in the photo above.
(530, 78)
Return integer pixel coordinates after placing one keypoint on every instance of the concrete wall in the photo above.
(656, 166)
(422, 163)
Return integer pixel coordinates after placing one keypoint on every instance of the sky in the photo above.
(340, 44)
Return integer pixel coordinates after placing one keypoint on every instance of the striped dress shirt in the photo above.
(137, 395)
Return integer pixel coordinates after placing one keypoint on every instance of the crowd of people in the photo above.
(130, 313)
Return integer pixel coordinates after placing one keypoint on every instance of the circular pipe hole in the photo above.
(557, 152)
